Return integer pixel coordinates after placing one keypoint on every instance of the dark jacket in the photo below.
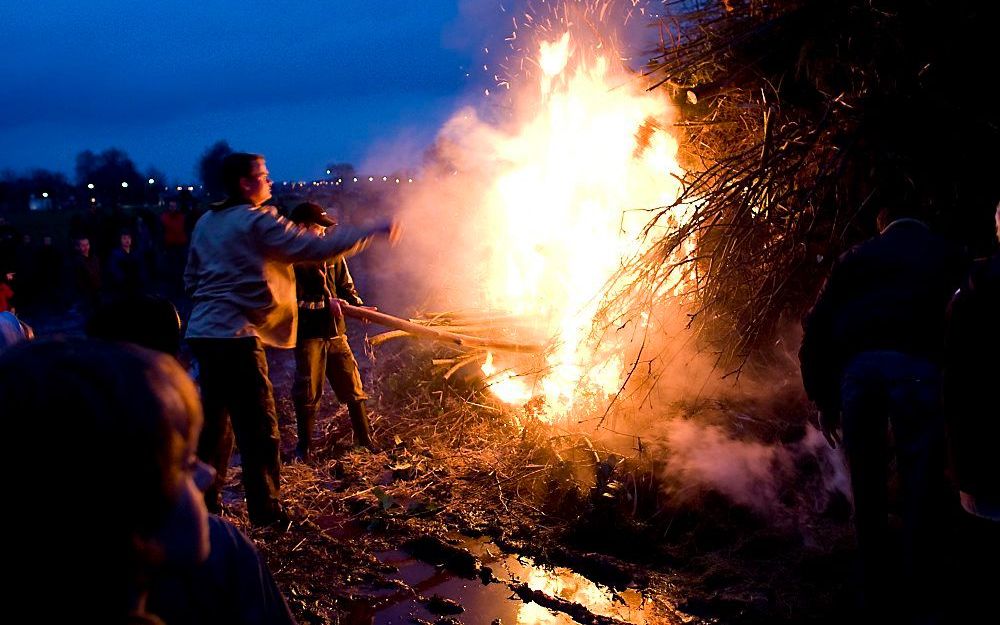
(315, 284)
(888, 293)
(972, 374)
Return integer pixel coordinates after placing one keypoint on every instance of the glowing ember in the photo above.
(566, 211)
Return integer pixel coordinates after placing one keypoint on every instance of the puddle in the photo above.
(484, 603)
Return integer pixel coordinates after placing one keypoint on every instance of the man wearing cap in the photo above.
(321, 345)
(239, 277)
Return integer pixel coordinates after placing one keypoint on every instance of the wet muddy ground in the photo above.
(465, 516)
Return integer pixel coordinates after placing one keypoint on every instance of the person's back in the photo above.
(871, 360)
(894, 291)
(888, 293)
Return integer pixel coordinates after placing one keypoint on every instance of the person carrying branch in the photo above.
(321, 349)
(239, 276)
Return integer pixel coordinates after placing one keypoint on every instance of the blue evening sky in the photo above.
(303, 82)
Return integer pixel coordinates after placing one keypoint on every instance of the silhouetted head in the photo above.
(107, 488)
(245, 177)
(149, 321)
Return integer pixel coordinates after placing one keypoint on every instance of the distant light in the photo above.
(124, 185)
(409, 179)
(397, 180)
(93, 199)
(151, 181)
(355, 179)
(370, 178)
(285, 183)
(384, 178)
(45, 194)
(328, 172)
(90, 185)
(178, 188)
(190, 188)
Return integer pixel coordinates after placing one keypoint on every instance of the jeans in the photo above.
(238, 400)
(887, 393)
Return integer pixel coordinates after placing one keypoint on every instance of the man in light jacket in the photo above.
(239, 277)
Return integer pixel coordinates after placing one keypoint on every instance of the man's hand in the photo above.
(829, 422)
(393, 231)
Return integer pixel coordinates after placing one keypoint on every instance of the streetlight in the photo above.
(90, 185)
(124, 184)
(45, 194)
(151, 181)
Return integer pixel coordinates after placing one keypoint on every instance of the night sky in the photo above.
(306, 83)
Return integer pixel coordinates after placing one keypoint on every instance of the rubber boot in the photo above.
(359, 422)
(304, 425)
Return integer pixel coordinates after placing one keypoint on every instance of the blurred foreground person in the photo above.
(321, 347)
(871, 360)
(239, 277)
(234, 586)
(117, 494)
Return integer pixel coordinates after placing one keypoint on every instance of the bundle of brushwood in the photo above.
(474, 335)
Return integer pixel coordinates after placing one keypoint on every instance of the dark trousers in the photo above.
(238, 399)
(887, 393)
(315, 359)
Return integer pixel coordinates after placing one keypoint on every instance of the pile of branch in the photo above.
(800, 119)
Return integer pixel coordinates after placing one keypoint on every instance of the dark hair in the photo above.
(150, 321)
(236, 166)
(100, 433)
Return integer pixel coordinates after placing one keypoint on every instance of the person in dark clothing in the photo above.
(85, 267)
(871, 358)
(48, 267)
(321, 348)
(971, 374)
(126, 268)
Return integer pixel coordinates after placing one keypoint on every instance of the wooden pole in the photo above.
(430, 332)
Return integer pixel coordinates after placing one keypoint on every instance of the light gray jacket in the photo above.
(239, 271)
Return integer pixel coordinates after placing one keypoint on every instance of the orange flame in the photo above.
(567, 212)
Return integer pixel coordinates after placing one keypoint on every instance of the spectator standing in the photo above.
(126, 270)
(240, 280)
(175, 246)
(871, 357)
(85, 268)
(972, 371)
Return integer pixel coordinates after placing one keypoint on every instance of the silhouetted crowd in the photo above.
(110, 255)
